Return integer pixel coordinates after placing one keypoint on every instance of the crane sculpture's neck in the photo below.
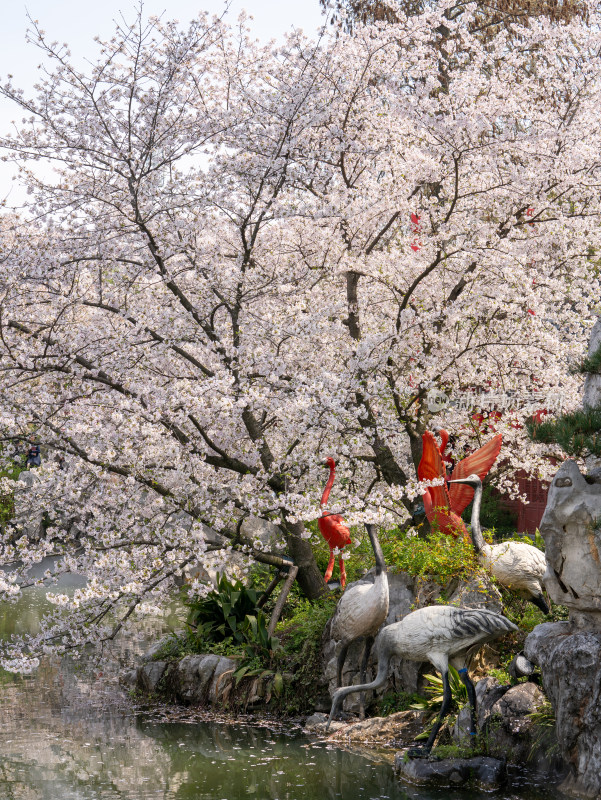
(329, 484)
(477, 537)
(375, 543)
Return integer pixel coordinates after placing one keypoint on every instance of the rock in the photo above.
(503, 718)
(194, 680)
(477, 592)
(488, 692)
(129, 678)
(510, 730)
(400, 728)
(155, 648)
(592, 384)
(516, 704)
(572, 534)
(149, 675)
(569, 653)
(481, 772)
(570, 662)
(193, 676)
(221, 685)
(315, 721)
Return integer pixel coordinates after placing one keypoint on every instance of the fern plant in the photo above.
(433, 701)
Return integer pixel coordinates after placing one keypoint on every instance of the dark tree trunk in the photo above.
(309, 577)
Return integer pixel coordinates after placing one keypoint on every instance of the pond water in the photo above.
(69, 733)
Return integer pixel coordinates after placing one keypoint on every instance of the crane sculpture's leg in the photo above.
(447, 699)
(471, 696)
(330, 568)
(340, 664)
(369, 640)
(342, 572)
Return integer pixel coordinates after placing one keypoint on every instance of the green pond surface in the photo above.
(69, 733)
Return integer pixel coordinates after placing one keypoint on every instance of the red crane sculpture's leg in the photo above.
(330, 568)
(342, 572)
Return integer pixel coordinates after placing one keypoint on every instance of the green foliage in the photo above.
(494, 515)
(590, 365)
(578, 433)
(477, 746)
(545, 738)
(439, 557)
(306, 623)
(7, 506)
(392, 702)
(432, 702)
(228, 621)
(258, 644)
(299, 658)
(526, 616)
(222, 613)
(538, 540)
(434, 692)
(501, 674)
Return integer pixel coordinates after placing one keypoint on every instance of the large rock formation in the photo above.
(569, 653)
(504, 717)
(592, 385)
(571, 528)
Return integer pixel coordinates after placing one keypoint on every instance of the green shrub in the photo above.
(440, 558)
(299, 659)
(222, 613)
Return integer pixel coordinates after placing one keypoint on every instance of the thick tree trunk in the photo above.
(309, 577)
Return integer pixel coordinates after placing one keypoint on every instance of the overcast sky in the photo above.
(77, 23)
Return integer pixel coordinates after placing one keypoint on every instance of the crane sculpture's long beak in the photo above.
(469, 481)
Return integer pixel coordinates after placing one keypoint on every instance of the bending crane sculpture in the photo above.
(442, 635)
(516, 565)
(361, 611)
(333, 529)
(444, 506)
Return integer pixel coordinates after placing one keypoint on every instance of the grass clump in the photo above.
(545, 739)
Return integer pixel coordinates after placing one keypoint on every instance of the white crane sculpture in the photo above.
(361, 611)
(516, 565)
(442, 635)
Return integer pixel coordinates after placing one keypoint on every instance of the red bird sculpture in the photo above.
(444, 506)
(333, 529)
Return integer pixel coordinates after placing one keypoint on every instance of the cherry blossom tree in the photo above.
(247, 259)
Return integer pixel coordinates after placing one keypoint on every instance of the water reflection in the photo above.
(235, 763)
